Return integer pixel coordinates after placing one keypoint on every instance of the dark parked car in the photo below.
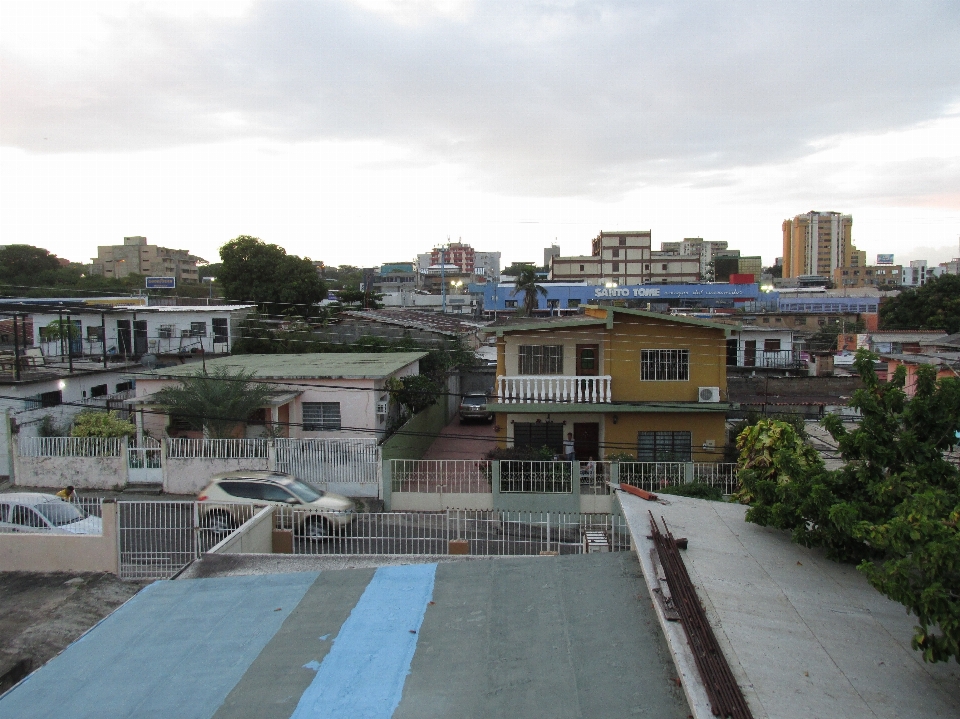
(474, 406)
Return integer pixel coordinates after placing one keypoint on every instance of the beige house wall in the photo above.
(63, 552)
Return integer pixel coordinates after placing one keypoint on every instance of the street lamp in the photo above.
(209, 281)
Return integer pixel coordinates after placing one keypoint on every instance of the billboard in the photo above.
(884, 259)
(161, 283)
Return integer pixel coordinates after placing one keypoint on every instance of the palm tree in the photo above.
(218, 401)
(527, 284)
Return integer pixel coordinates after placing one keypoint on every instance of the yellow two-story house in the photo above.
(620, 381)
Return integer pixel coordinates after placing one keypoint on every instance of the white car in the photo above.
(231, 496)
(34, 512)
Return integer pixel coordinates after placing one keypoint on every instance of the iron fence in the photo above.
(188, 448)
(464, 476)
(71, 446)
(539, 477)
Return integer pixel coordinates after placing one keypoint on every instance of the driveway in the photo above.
(463, 441)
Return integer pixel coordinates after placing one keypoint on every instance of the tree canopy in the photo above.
(18, 262)
(101, 424)
(893, 507)
(933, 306)
(253, 271)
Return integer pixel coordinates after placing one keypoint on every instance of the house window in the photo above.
(98, 390)
(616, 266)
(771, 345)
(540, 359)
(623, 241)
(801, 320)
(94, 334)
(219, 329)
(664, 446)
(124, 386)
(321, 416)
(765, 320)
(663, 267)
(821, 321)
(510, 303)
(616, 253)
(581, 268)
(198, 329)
(553, 304)
(573, 303)
(539, 434)
(665, 365)
(646, 268)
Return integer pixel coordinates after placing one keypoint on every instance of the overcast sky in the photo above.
(367, 131)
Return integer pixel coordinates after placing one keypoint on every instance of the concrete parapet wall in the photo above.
(436, 501)
(47, 552)
(255, 536)
(81, 472)
(189, 476)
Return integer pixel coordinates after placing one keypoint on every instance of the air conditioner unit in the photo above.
(708, 394)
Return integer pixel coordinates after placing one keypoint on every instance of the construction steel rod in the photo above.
(726, 699)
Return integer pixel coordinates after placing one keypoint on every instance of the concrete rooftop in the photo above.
(570, 636)
(806, 637)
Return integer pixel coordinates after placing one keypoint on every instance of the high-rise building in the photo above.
(817, 243)
(455, 253)
(486, 264)
(706, 250)
(136, 257)
(548, 254)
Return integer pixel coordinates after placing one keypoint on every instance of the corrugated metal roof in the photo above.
(357, 365)
(429, 321)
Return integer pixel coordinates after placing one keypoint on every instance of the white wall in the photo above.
(189, 476)
(81, 472)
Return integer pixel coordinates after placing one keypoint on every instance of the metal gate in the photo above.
(145, 462)
(345, 466)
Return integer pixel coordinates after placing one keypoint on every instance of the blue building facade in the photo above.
(569, 296)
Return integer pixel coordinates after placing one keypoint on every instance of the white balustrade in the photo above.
(523, 389)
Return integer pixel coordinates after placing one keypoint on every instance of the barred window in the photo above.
(541, 359)
(664, 446)
(663, 365)
(220, 332)
(198, 329)
(321, 416)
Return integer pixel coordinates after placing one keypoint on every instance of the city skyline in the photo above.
(370, 131)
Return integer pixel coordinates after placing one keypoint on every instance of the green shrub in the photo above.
(697, 490)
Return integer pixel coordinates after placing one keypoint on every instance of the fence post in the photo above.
(386, 483)
(688, 473)
(163, 463)
(615, 474)
(495, 481)
(125, 453)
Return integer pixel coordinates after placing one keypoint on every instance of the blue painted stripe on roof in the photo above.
(174, 650)
(364, 673)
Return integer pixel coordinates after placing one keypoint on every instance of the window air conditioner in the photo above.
(708, 394)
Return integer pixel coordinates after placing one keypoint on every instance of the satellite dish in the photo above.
(149, 361)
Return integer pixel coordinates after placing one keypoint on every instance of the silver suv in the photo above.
(473, 405)
(228, 501)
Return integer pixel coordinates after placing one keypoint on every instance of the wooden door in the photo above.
(586, 440)
(588, 360)
(750, 353)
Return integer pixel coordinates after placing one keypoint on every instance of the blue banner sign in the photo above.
(161, 283)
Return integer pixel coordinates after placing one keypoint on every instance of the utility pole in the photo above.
(443, 280)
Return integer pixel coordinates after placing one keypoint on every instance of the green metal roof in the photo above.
(609, 407)
(583, 320)
(358, 365)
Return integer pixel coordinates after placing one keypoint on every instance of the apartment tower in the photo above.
(817, 243)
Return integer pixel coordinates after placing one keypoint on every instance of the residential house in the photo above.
(894, 341)
(619, 380)
(137, 330)
(752, 347)
(316, 395)
(947, 364)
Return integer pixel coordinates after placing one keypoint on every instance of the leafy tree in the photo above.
(775, 271)
(101, 424)
(893, 507)
(19, 263)
(516, 268)
(933, 306)
(526, 285)
(416, 392)
(252, 270)
(60, 328)
(218, 402)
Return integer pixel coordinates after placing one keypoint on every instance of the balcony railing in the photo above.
(521, 389)
(780, 359)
